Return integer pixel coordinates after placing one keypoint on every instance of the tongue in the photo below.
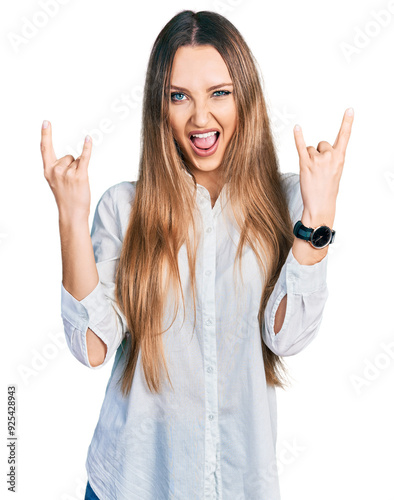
(204, 142)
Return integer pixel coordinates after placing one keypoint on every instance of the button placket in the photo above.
(210, 357)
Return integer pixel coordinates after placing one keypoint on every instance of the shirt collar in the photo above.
(204, 197)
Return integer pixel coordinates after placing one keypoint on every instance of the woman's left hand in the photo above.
(320, 173)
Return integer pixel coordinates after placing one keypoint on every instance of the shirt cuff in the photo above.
(88, 311)
(303, 278)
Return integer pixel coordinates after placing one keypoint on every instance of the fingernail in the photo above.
(297, 128)
(350, 111)
(87, 138)
(45, 124)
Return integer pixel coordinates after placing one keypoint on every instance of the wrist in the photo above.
(318, 219)
(305, 254)
(73, 227)
(73, 219)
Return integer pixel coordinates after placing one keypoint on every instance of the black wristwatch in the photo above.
(318, 237)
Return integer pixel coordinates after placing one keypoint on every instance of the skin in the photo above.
(197, 69)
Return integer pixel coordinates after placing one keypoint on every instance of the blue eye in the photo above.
(175, 93)
(226, 92)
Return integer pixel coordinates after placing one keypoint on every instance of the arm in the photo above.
(295, 308)
(68, 179)
(301, 291)
(93, 326)
(96, 311)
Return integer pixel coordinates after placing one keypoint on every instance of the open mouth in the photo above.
(204, 146)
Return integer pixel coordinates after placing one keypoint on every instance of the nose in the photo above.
(201, 113)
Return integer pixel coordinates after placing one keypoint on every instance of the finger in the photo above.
(300, 144)
(86, 152)
(343, 136)
(312, 151)
(47, 151)
(323, 146)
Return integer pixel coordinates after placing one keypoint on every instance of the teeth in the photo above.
(208, 134)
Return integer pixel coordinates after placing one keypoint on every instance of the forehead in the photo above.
(198, 67)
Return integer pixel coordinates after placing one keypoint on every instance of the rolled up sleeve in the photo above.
(98, 310)
(306, 289)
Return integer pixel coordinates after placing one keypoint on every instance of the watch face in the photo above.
(321, 237)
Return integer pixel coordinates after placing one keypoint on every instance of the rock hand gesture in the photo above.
(67, 177)
(320, 173)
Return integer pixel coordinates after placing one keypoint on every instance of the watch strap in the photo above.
(304, 232)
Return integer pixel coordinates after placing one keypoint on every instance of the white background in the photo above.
(83, 69)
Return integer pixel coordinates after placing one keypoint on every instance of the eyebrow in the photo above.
(208, 90)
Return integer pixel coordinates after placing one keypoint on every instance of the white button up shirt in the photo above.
(214, 436)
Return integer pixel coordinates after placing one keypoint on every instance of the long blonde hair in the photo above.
(164, 206)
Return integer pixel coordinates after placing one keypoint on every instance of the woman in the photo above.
(190, 411)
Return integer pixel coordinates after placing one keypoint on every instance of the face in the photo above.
(202, 101)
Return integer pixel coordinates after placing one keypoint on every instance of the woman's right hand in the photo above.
(67, 177)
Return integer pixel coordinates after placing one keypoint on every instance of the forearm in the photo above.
(305, 254)
(80, 276)
(295, 307)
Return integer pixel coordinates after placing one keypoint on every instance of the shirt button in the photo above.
(209, 229)
(207, 273)
(210, 417)
(209, 369)
(208, 321)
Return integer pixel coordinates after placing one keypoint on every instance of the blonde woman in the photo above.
(192, 281)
